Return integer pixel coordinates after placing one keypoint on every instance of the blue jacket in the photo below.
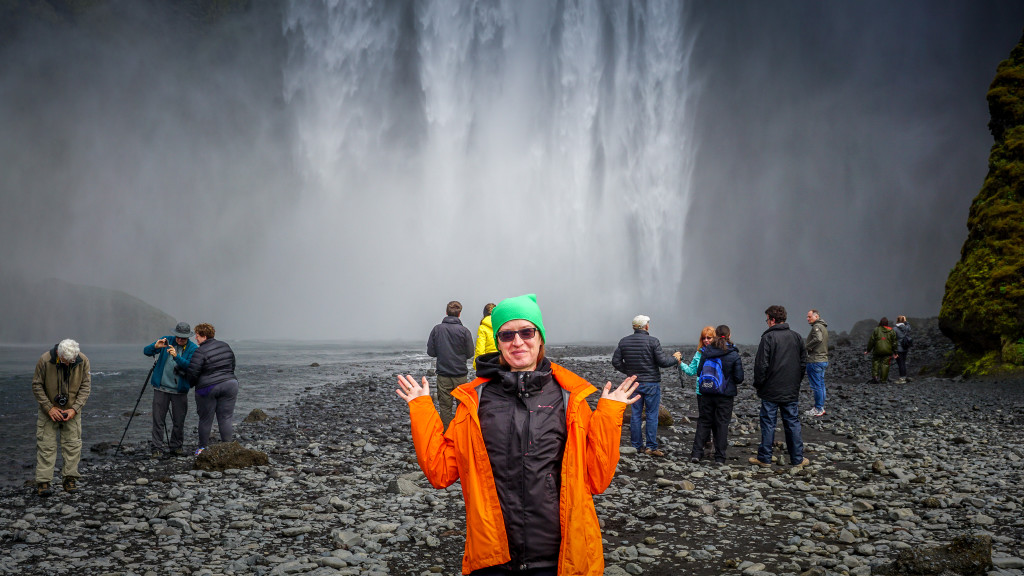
(181, 362)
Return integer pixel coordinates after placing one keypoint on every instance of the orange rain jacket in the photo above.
(588, 465)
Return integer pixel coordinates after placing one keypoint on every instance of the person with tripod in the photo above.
(61, 385)
(170, 388)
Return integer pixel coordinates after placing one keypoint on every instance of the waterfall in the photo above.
(490, 148)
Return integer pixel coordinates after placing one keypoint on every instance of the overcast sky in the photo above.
(300, 172)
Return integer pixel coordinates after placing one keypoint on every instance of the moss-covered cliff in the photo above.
(983, 308)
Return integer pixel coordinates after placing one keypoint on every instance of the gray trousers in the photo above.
(220, 402)
(445, 385)
(178, 403)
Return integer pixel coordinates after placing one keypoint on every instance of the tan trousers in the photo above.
(46, 446)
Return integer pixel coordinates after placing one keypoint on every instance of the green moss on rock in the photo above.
(983, 307)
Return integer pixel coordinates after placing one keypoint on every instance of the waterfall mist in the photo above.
(342, 169)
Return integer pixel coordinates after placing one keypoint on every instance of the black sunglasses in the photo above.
(510, 335)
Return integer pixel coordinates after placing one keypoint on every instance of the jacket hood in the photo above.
(53, 356)
(488, 366)
(779, 326)
(451, 320)
(714, 352)
(820, 321)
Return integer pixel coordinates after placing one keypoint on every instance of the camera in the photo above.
(61, 400)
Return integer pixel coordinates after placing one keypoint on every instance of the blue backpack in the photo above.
(711, 379)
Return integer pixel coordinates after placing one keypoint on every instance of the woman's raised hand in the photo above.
(624, 393)
(409, 389)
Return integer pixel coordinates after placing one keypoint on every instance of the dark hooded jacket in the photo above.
(640, 354)
(779, 364)
(522, 418)
(732, 366)
(452, 344)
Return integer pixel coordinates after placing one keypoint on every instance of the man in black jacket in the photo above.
(452, 344)
(778, 369)
(640, 355)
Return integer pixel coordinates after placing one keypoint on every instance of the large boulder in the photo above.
(227, 455)
(983, 307)
(966, 555)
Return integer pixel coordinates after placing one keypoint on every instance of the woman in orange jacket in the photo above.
(528, 450)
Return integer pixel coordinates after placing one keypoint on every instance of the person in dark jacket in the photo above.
(212, 373)
(452, 344)
(716, 407)
(903, 343)
(170, 388)
(640, 355)
(778, 369)
(882, 348)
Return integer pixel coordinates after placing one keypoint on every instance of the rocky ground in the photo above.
(894, 467)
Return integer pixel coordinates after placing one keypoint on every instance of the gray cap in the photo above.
(182, 330)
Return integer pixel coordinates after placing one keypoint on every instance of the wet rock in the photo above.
(966, 555)
(229, 455)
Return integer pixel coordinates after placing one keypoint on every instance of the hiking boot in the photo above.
(43, 489)
(753, 460)
(655, 453)
(70, 484)
(156, 455)
(200, 450)
(694, 459)
(177, 452)
(802, 463)
(901, 381)
(816, 412)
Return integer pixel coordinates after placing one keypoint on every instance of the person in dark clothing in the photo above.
(212, 373)
(528, 451)
(778, 369)
(640, 355)
(882, 348)
(452, 344)
(903, 342)
(716, 408)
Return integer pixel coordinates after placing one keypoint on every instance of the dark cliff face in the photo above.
(983, 307)
(51, 310)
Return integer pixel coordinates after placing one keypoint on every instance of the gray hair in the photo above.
(640, 321)
(68, 350)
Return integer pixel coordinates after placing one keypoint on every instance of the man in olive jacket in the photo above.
(778, 370)
(61, 385)
(817, 361)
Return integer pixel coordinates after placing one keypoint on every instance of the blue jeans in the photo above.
(816, 377)
(790, 422)
(650, 402)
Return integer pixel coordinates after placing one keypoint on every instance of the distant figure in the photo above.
(882, 347)
(778, 371)
(904, 341)
(170, 388)
(640, 355)
(817, 361)
(452, 344)
(718, 390)
(528, 452)
(61, 385)
(484, 335)
(212, 373)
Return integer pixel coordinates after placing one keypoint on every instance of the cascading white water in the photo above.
(478, 150)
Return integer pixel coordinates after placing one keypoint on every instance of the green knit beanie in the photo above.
(517, 308)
